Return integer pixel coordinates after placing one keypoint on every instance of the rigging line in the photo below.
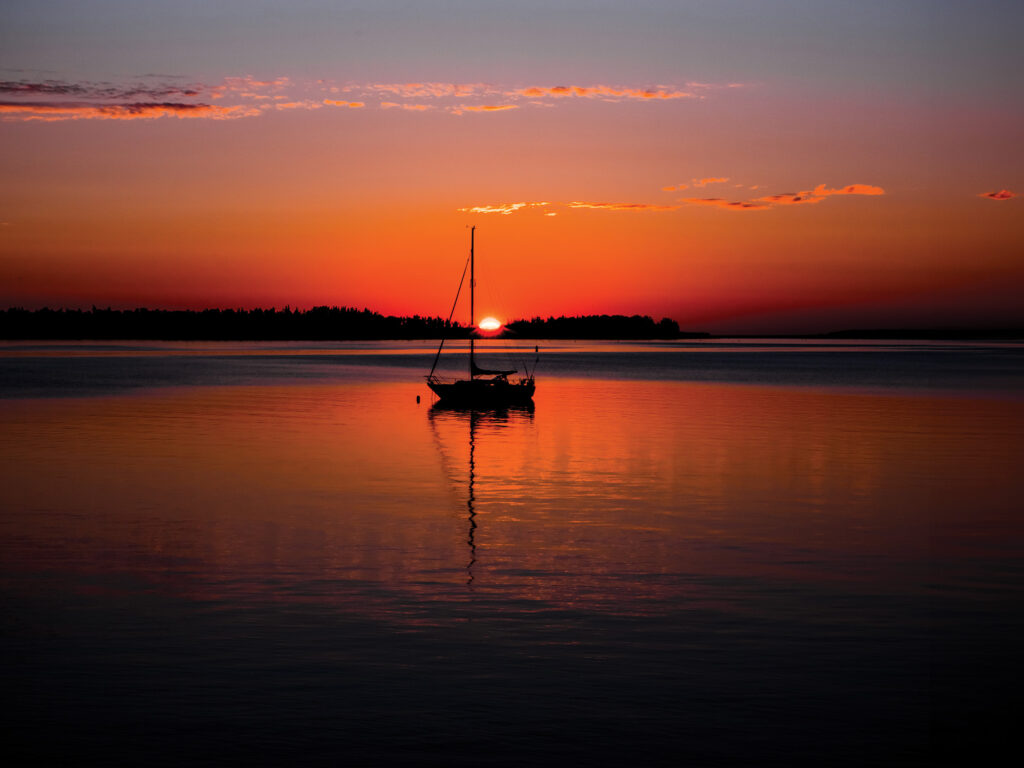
(515, 350)
(450, 316)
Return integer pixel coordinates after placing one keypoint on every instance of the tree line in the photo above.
(316, 324)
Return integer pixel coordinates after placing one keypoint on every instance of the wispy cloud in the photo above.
(710, 180)
(153, 97)
(410, 107)
(1002, 194)
(730, 205)
(851, 189)
(52, 112)
(503, 208)
(508, 208)
(814, 197)
(141, 99)
(427, 90)
(296, 105)
(606, 92)
(623, 206)
(808, 197)
(248, 87)
(98, 91)
(789, 198)
(483, 108)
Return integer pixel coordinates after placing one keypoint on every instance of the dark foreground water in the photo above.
(710, 554)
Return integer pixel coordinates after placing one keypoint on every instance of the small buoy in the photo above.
(417, 398)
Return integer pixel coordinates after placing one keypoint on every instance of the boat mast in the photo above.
(472, 309)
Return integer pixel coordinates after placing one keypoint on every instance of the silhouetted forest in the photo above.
(599, 327)
(318, 323)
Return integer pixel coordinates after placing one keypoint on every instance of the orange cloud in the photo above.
(675, 188)
(1003, 194)
(788, 198)
(410, 107)
(145, 98)
(462, 90)
(248, 87)
(607, 92)
(623, 206)
(707, 86)
(296, 105)
(710, 180)
(852, 189)
(51, 112)
(485, 108)
(718, 202)
(507, 208)
(429, 90)
(503, 208)
(151, 97)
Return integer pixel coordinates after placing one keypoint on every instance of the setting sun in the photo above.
(490, 324)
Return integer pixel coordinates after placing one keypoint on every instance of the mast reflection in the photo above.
(476, 418)
(470, 500)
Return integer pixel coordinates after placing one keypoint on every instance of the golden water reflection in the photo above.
(610, 495)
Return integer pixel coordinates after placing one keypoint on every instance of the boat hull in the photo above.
(485, 393)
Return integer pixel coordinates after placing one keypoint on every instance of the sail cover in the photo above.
(478, 371)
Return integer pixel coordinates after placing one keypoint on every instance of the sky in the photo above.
(740, 167)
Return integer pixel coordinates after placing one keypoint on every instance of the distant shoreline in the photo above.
(898, 334)
(349, 324)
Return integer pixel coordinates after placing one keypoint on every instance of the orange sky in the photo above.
(720, 184)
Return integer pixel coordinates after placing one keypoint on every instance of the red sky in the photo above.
(734, 169)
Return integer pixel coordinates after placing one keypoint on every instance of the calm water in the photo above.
(687, 554)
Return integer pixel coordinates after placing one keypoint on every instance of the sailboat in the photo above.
(484, 388)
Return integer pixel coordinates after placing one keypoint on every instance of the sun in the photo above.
(490, 324)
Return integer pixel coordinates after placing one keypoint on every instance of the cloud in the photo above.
(97, 91)
(738, 205)
(508, 208)
(709, 86)
(411, 108)
(54, 112)
(789, 198)
(147, 98)
(675, 188)
(623, 206)
(295, 105)
(710, 180)
(249, 87)
(502, 208)
(605, 92)
(1003, 194)
(819, 193)
(851, 189)
(156, 96)
(484, 108)
(428, 90)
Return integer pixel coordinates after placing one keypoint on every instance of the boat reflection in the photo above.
(475, 418)
(495, 415)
